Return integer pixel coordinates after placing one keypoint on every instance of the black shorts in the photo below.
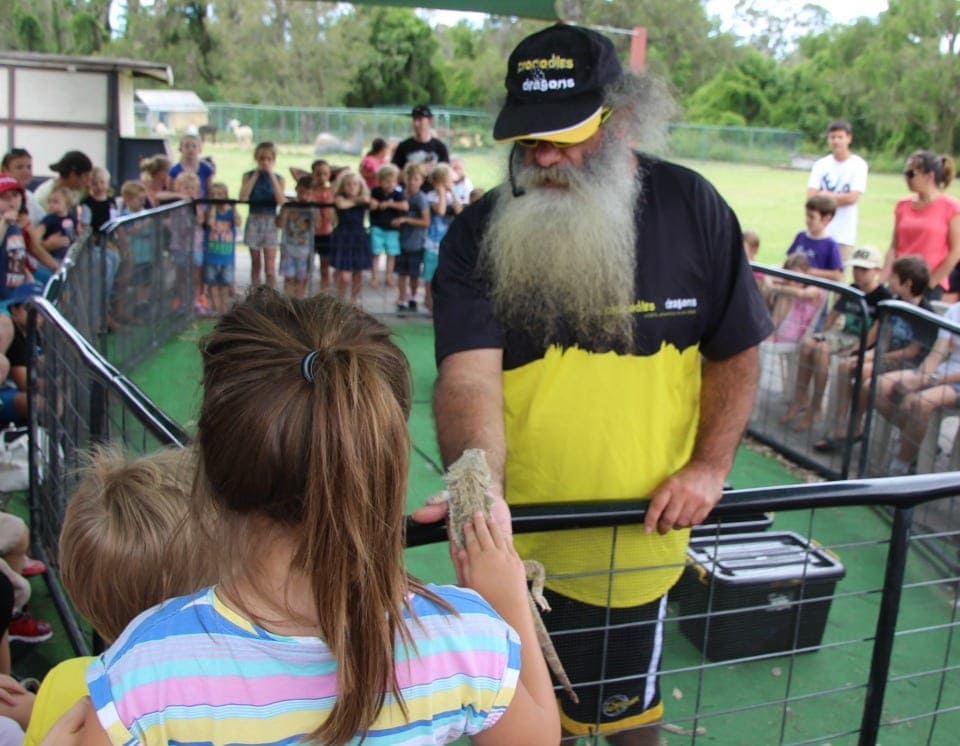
(408, 263)
(612, 658)
(321, 245)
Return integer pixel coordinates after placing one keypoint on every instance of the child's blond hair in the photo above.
(412, 168)
(64, 192)
(441, 172)
(219, 186)
(127, 543)
(100, 172)
(184, 180)
(339, 189)
(132, 189)
(388, 170)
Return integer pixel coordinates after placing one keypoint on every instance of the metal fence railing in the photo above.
(864, 407)
(795, 399)
(76, 399)
(822, 629)
(350, 130)
(764, 145)
(130, 289)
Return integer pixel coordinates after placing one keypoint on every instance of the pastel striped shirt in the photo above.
(192, 671)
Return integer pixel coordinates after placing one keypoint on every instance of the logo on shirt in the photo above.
(649, 309)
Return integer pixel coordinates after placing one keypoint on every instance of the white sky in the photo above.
(841, 11)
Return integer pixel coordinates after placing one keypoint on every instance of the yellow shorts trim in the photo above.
(577, 728)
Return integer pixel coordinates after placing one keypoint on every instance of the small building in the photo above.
(172, 111)
(52, 103)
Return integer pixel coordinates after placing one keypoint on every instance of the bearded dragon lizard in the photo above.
(468, 482)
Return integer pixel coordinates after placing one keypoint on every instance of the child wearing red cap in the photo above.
(13, 249)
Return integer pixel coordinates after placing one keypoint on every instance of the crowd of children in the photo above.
(820, 336)
(393, 228)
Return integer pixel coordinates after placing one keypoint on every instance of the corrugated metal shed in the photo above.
(163, 100)
(139, 68)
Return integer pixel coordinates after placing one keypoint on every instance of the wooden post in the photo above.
(638, 49)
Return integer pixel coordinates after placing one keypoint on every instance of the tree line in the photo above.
(896, 78)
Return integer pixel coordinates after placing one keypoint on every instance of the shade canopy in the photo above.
(546, 9)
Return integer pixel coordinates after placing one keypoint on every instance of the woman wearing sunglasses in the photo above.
(927, 222)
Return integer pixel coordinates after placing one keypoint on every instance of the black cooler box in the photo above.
(766, 588)
(739, 525)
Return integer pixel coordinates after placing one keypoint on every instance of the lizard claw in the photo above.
(536, 574)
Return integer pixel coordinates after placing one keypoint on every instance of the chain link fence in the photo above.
(345, 130)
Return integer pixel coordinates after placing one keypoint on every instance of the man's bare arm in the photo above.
(843, 199)
(468, 408)
(726, 398)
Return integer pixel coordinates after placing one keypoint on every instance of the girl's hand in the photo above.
(492, 567)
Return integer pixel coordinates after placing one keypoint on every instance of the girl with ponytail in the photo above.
(315, 632)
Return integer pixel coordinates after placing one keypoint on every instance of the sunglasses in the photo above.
(532, 142)
(910, 172)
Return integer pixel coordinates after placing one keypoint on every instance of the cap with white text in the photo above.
(555, 81)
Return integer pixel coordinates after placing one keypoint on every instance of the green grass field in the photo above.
(767, 200)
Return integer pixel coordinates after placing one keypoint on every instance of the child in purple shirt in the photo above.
(821, 249)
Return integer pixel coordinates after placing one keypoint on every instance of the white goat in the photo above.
(242, 132)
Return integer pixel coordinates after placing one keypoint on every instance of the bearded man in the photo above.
(596, 334)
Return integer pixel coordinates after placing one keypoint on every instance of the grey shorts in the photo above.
(261, 231)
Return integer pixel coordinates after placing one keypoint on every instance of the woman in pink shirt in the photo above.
(927, 222)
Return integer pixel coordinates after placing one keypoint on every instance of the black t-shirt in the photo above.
(693, 282)
(849, 307)
(17, 353)
(382, 218)
(429, 153)
(54, 225)
(101, 211)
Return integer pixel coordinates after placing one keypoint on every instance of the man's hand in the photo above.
(685, 498)
(436, 509)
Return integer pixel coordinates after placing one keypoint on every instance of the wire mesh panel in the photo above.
(135, 290)
(76, 401)
(784, 635)
(811, 370)
(734, 144)
(915, 401)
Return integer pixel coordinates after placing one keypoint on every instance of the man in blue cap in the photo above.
(596, 330)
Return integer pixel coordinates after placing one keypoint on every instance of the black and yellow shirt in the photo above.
(582, 424)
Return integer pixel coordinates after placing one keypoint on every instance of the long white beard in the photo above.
(562, 259)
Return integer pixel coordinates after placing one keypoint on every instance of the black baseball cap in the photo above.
(421, 110)
(555, 81)
(72, 162)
